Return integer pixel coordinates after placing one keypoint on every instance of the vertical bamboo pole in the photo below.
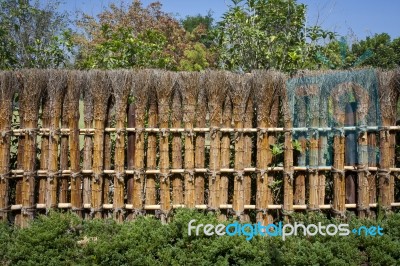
(322, 148)
(240, 90)
(88, 140)
(164, 83)
(56, 88)
(300, 180)
(288, 156)
(142, 82)
(100, 93)
(388, 95)
(34, 83)
(63, 197)
(19, 84)
(130, 152)
(225, 153)
(247, 156)
(372, 162)
(176, 119)
(6, 98)
(44, 155)
(110, 118)
(339, 195)
(350, 152)
(121, 82)
(266, 87)
(150, 195)
(189, 87)
(76, 82)
(215, 86)
(313, 91)
(201, 114)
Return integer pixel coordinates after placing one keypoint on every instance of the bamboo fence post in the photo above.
(388, 96)
(350, 152)
(225, 153)
(372, 162)
(215, 86)
(44, 146)
(300, 180)
(288, 155)
(247, 156)
(189, 87)
(240, 91)
(164, 83)
(176, 120)
(199, 161)
(19, 83)
(110, 118)
(130, 152)
(266, 87)
(151, 194)
(63, 196)
(121, 82)
(7, 91)
(322, 148)
(339, 194)
(56, 85)
(34, 84)
(362, 166)
(76, 82)
(313, 91)
(100, 93)
(141, 92)
(88, 140)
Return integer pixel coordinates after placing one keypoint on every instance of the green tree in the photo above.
(33, 36)
(263, 34)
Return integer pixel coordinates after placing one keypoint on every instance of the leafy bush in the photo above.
(64, 239)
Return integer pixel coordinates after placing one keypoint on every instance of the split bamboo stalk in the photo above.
(76, 84)
(164, 84)
(339, 195)
(7, 91)
(240, 91)
(388, 95)
(63, 197)
(201, 114)
(189, 87)
(88, 139)
(56, 85)
(34, 83)
(225, 153)
(265, 84)
(142, 84)
(19, 83)
(288, 155)
(121, 82)
(176, 120)
(44, 155)
(216, 87)
(300, 180)
(100, 93)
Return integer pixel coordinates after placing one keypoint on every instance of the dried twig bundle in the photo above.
(215, 83)
(240, 88)
(121, 83)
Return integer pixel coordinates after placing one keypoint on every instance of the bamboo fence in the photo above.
(127, 143)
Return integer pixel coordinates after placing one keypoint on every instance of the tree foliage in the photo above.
(32, 35)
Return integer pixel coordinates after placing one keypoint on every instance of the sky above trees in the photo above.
(357, 18)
